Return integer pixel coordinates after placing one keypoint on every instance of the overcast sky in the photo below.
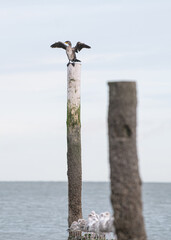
(130, 40)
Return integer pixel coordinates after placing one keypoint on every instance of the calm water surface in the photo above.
(38, 210)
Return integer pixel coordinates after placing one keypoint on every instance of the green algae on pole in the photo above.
(74, 143)
(124, 172)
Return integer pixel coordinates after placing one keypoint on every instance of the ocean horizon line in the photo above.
(60, 181)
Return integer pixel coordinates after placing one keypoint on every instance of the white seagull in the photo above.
(74, 227)
(82, 223)
(93, 224)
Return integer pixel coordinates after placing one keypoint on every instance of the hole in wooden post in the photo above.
(127, 130)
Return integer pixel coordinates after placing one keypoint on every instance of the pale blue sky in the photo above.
(130, 40)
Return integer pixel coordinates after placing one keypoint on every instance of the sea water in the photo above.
(38, 210)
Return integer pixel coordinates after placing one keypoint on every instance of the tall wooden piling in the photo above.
(74, 143)
(124, 173)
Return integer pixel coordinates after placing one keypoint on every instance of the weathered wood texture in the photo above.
(74, 143)
(124, 172)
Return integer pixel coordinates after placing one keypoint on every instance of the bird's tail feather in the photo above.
(76, 60)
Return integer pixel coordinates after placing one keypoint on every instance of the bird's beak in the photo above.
(66, 42)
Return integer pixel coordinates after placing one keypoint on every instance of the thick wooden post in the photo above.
(124, 173)
(74, 143)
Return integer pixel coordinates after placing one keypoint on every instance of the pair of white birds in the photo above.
(99, 224)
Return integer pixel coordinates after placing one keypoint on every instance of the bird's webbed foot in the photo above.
(73, 64)
(68, 64)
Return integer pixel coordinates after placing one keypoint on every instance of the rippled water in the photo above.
(38, 210)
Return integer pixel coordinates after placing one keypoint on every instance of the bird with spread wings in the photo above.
(70, 51)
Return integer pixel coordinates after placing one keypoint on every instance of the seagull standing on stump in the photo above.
(70, 51)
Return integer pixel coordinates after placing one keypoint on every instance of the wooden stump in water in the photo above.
(124, 173)
(74, 143)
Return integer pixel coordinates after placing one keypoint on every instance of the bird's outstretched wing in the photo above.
(59, 45)
(80, 45)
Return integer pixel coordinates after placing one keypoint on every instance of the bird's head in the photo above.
(68, 42)
(107, 214)
(93, 213)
